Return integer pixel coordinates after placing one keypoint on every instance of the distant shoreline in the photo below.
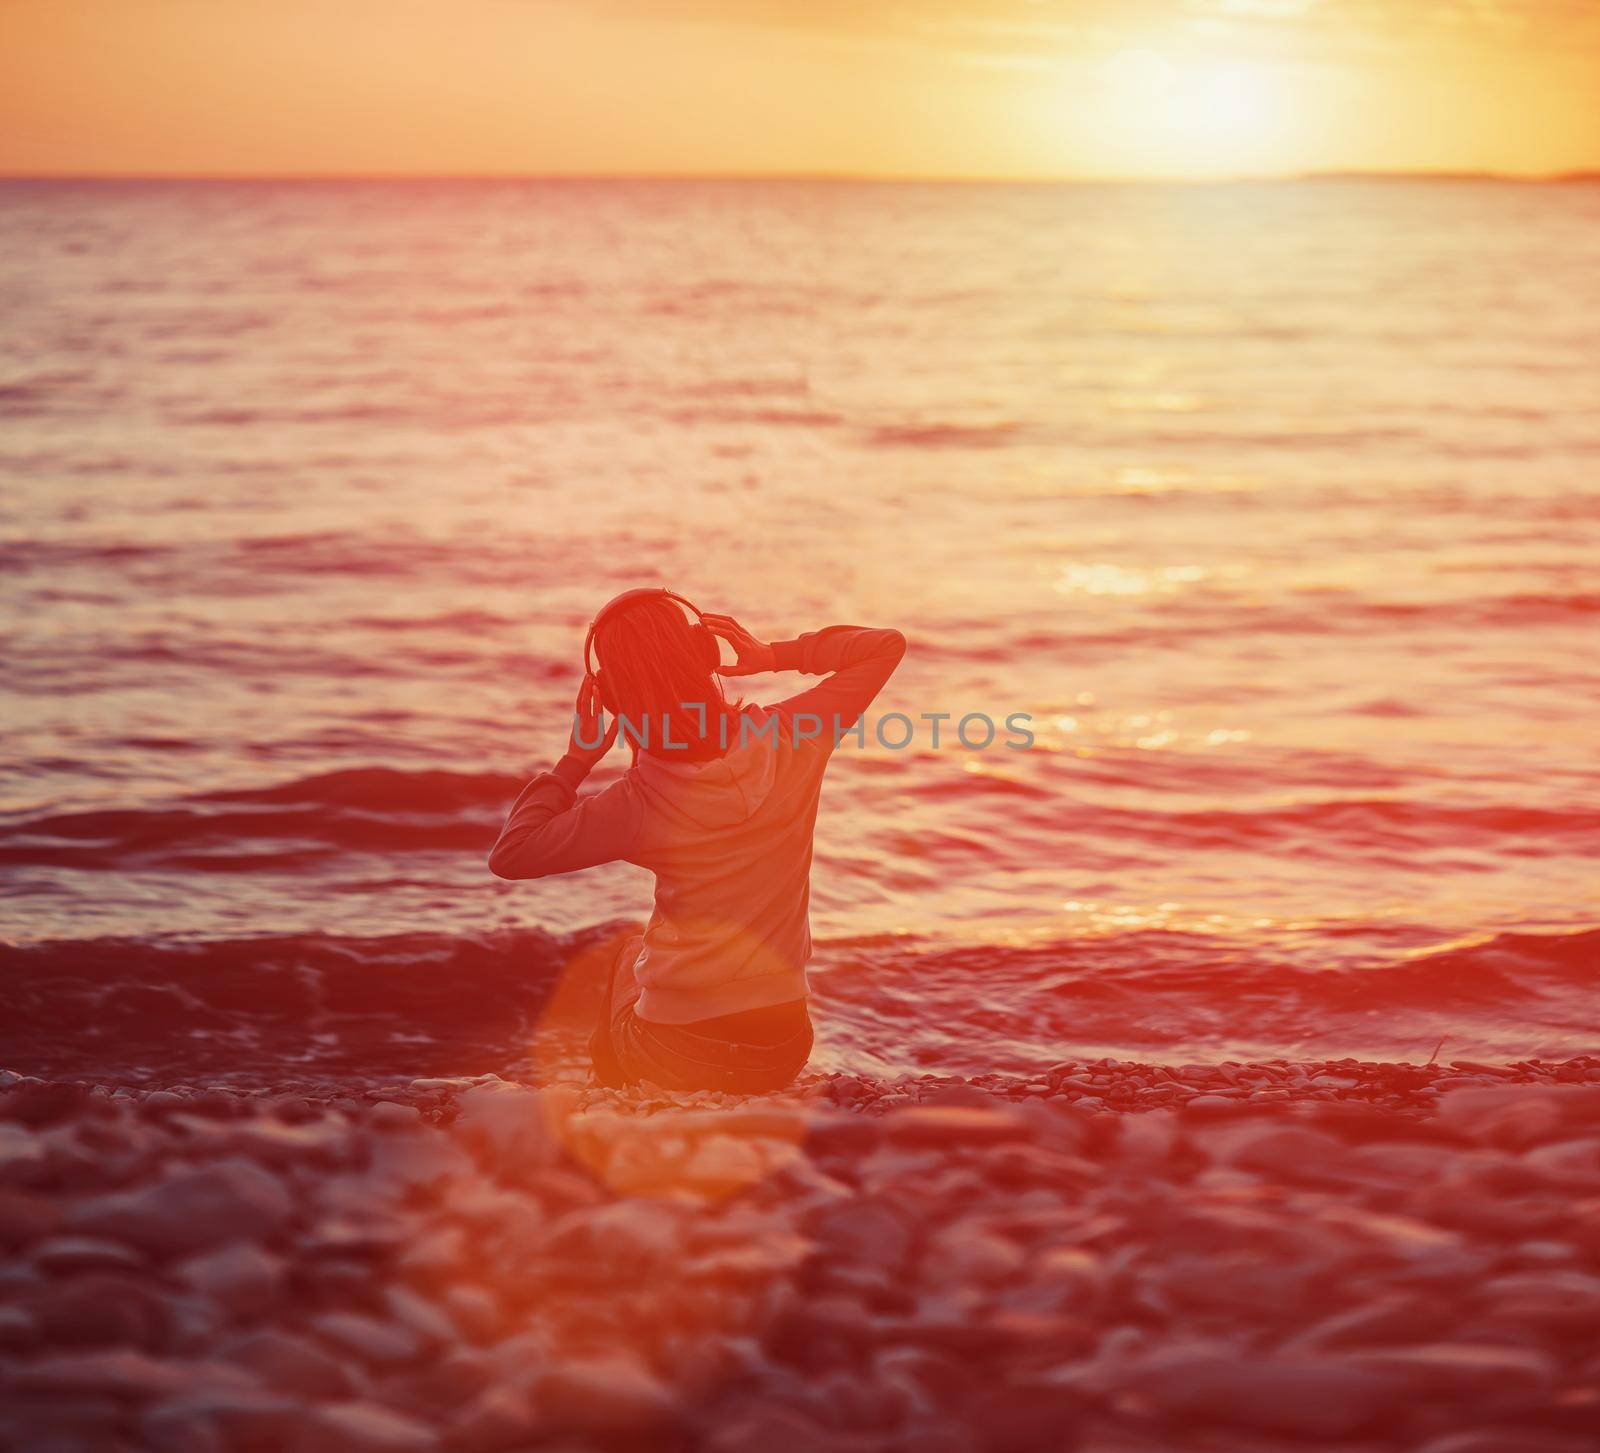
(1569, 178)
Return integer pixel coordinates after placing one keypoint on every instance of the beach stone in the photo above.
(437, 1085)
(475, 1311)
(627, 1234)
(119, 1373)
(336, 1281)
(192, 1210)
(1304, 1398)
(499, 1418)
(1290, 1152)
(969, 1253)
(1559, 1299)
(447, 1382)
(435, 1255)
(291, 1364)
(519, 1360)
(1568, 1160)
(1404, 1161)
(242, 1279)
(19, 1329)
(38, 1104)
(124, 1373)
(1508, 1440)
(62, 1255)
(862, 1231)
(26, 1217)
(959, 1093)
(1150, 1138)
(225, 1103)
(754, 1120)
(939, 1437)
(1235, 1284)
(52, 1424)
(766, 1255)
(362, 1427)
(952, 1125)
(850, 1089)
(241, 1417)
(162, 1101)
(843, 1137)
(167, 1430)
(719, 1164)
(20, 1150)
(367, 1237)
(507, 1123)
(382, 1343)
(419, 1314)
(1395, 1318)
(1060, 1279)
(100, 1309)
(281, 1144)
(391, 1115)
(772, 1430)
(1464, 1372)
(1518, 1116)
(399, 1164)
(605, 1394)
(20, 1279)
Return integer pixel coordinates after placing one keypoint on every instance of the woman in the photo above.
(719, 804)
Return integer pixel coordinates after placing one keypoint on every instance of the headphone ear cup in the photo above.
(604, 693)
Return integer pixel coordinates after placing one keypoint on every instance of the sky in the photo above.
(934, 88)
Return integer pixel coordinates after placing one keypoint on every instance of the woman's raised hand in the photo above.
(754, 656)
(588, 742)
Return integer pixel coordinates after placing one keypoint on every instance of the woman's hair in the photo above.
(657, 679)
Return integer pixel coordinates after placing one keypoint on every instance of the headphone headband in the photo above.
(619, 602)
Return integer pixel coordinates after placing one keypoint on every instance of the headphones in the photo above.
(705, 642)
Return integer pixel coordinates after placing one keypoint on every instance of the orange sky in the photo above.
(898, 87)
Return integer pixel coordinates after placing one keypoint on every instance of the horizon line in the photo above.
(1419, 174)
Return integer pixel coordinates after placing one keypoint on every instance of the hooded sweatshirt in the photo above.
(728, 839)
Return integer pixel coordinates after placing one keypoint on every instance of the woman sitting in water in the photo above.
(719, 804)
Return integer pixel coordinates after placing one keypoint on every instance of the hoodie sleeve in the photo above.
(550, 829)
(859, 658)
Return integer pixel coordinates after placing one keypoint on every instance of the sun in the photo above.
(1197, 113)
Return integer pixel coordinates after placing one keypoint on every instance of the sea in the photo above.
(1273, 507)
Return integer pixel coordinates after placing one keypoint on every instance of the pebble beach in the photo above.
(1111, 1257)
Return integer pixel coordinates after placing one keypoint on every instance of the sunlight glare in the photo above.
(1204, 114)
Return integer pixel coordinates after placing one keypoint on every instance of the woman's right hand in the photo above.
(753, 656)
(588, 743)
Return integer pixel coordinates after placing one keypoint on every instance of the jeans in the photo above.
(626, 1049)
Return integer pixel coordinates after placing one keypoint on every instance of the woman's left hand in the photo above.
(754, 656)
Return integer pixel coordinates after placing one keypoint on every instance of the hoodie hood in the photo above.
(723, 792)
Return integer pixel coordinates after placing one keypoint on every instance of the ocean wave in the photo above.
(395, 810)
(379, 787)
(776, 418)
(17, 395)
(316, 1001)
(377, 809)
(944, 435)
(1204, 969)
(972, 1009)
(451, 1003)
(258, 564)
